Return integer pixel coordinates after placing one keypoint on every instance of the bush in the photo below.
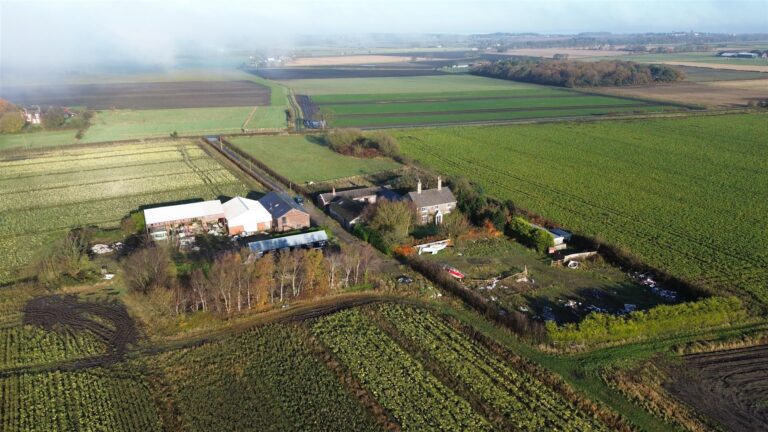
(660, 321)
(353, 142)
(12, 122)
(148, 269)
(529, 235)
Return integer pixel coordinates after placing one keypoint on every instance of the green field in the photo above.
(700, 74)
(42, 195)
(34, 140)
(135, 124)
(400, 85)
(301, 160)
(698, 57)
(685, 195)
(382, 102)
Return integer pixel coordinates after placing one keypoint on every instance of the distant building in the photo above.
(347, 211)
(246, 216)
(32, 114)
(310, 240)
(432, 205)
(286, 213)
(183, 219)
(367, 195)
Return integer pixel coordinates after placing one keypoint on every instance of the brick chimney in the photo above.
(439, 183)
(418, 187)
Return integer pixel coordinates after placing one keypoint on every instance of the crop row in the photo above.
(416, 398)
(519, 399)
(29, 345)
(88, 401)
(58, 162)
(267, 379)
(417, 96)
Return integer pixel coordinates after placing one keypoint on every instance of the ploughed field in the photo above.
(684, 195)
(143, 95)
(343, 72)
(44, 194)
(730, 387)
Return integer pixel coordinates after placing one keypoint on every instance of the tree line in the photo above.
(237, 281)
(568, 73)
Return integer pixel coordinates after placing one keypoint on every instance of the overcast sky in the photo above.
(34, 32)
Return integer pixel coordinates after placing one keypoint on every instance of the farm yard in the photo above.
(302, 159)
(680, 194)
(148, 95)
(46, 193)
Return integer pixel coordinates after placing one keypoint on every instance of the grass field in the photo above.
(400, 85)
(135, 124)
(35, 140)
(301, 160)
(685, 195)
(42, 195)
(454, 99)
(695, 57)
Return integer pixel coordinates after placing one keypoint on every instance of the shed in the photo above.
(205, 211)
(314, 239)
(286, 213)
(245, 216)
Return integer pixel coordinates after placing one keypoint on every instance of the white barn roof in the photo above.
(292, 241)
(246, 212)
(197, 210)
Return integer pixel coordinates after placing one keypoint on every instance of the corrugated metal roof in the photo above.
(238, 206)
(292, 241)
(172, 213)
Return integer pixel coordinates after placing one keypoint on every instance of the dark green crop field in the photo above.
(685, 195)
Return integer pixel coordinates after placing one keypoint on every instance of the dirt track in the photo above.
(191, 94)
(731, 386)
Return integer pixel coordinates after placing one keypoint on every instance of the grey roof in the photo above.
(291, 241)
(346, 208)
(432, 197)
(379, 191)
(278, 204)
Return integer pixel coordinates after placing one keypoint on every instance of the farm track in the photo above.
(731, 386)
(490, 110)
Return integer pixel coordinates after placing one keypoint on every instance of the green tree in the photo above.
(393, 221)
(454, 225)
(54, 118)
(12, 122)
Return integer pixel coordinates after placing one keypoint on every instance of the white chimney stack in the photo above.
(334, 191)
(418, 187)
(439, 183)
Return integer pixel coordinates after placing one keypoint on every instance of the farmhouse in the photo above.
(432, 205)
(366, 195)
(286, 213)
(32, 114)
(246, 216)
(347, 211)
(310, 240)
(183, 219)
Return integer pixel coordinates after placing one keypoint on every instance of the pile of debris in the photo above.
(102, 249)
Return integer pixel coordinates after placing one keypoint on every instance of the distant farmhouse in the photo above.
(286, 213)
(238, 216)
(743, 54)
(432, 205)
(32, 114)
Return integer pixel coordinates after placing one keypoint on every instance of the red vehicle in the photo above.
(454, 272)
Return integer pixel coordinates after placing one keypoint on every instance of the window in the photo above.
(284, 220)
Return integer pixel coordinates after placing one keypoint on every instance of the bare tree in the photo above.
(201, 287)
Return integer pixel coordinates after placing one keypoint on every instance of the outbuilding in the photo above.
(286, 213)
(246, 216)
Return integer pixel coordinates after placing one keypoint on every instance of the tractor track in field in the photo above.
(730, 387)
